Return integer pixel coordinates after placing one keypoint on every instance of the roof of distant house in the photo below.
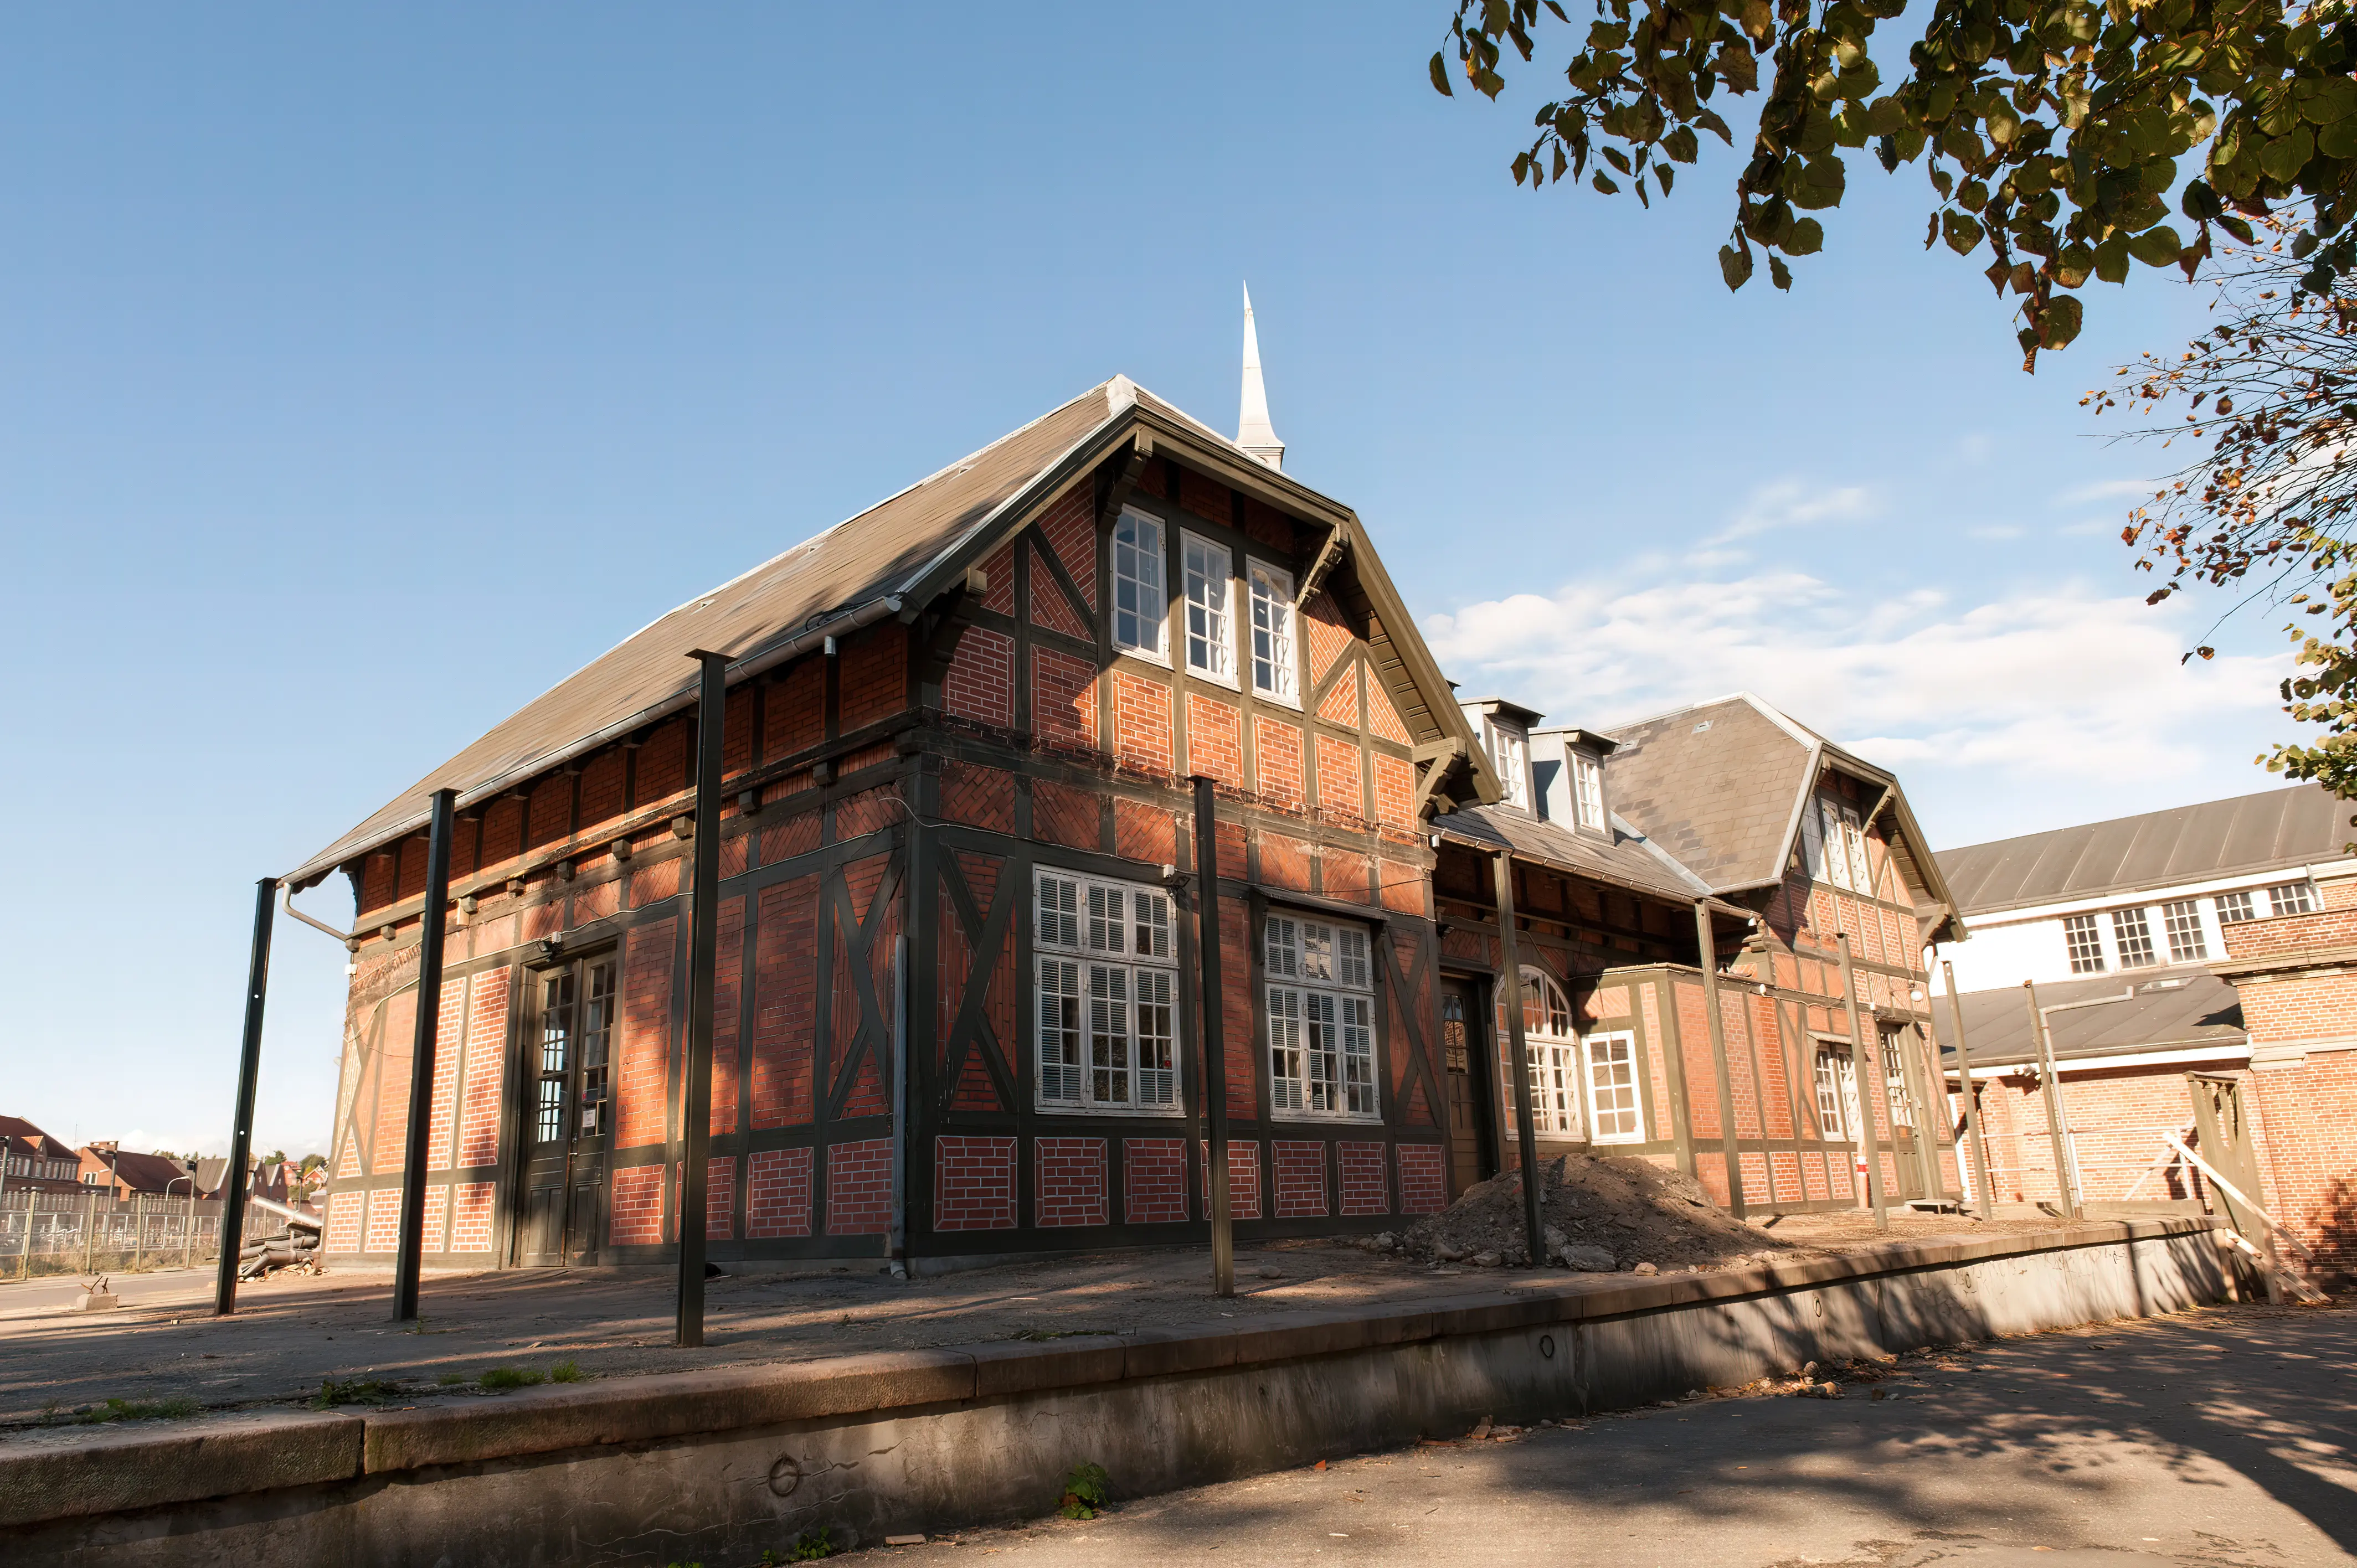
(2249, 833)
(2184, 1007)
(145, 1173)
(14, 1130)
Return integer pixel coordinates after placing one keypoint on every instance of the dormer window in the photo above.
(1510, 750)
(1587, 791)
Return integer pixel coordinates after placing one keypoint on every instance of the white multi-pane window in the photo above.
(1140, 607)
(1321, 1018)
(2183, 921)
(1273, 659)
(1211, 628)
(2290, 898)
(1611, 1062)
(2132, 936)
(1834, 841)
(2083, 935)
(1107, 995)
(1552, 1052)
(1511, 753)
(2233, 908)
(1894, 1081)
(1587, 791)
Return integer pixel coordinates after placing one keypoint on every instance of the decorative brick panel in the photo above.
(1066, 816)
(1243, 1178)
(1070, 528)
(662, 764)
(981, 681)
(1063, 698)
(1300, 1178)
(793, 711)
(344, 1221)
(1049, 608)
(384, 1220)
(393, 1059)
(1366, 1185)
(634, 1205)
(1145, 833)
(1277, 763)
(727, 989)
(859, 1188)
(1394, 792)
(1215, 740)
(1283, 861)
(1347, 875)
(543, 921)
(973, 1184)
(435, 1226)
(502, 833)
(642, 1071)
(1000, 570)
(655, 884)
(1268, 526)
(977, 796)
(470, 1218)
(597, 901)
(1341, 778)
(1141, 725)
(785, 1002)
(795, 835)
(873, 683)
(1068, 1181)
(1423, 1178)
(602, 777)
(449, 1045)
(720, 1199)
(1341, 704)
(778, 1193)
(736, 733)
(1228, 849)
(1213, 502)
(1153, 1180)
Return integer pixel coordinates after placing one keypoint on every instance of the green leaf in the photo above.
(1440, 75)
(2059, 322)
(1603, 182)
(2200, 202)
(1779, 273)
(1964, 232)
(2112, 259)
(2158, 247)
(2338, 140)
(2072, 265)
(1807, 238)
(2283, 158)
(1735, 266)
(2238, 228)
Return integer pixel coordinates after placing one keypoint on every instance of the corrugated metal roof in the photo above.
(2186, 843)
(1714, 786)
(2178, 1008)
(1630, 860)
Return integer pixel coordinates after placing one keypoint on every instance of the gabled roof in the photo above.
(893, 559)
(2182, 1008)
(1629, 860)
(14, 1130)
(147, 1173)
(1720, 786)
(2250, 834)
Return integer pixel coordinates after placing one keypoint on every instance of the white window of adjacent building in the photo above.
(1612, 1063)
(1107, 995)
(2182, 922)
(2233, 908)
(2132, 937)
(1552, 1052)
(1273, 661)
(2291, 898)
(1511, 753)
(1321, 1018)
(2082, 935)
(1587, 791)
(1140, 605)
(1211, 619)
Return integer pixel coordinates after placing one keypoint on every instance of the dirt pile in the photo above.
(1602, 1216)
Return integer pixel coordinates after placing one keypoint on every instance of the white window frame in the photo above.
(2234, 908)
(1618, 1044)
(1103, 954)
(2182, 926)
(1219, 635)
(1269, 594)
(2096, 961)
(1510, 750)
(1587, 791)
(1156, 593)
(1551, 1046)
(1320, 998)
(1835, 1078)
(2303, 891)
(2132, 931)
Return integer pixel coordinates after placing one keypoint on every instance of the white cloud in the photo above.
(2108, 491)
(2080, 694)
(1789, 503)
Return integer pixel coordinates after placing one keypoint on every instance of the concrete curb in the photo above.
(64, 1473)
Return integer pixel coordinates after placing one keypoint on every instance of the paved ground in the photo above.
(292, 1332)
(2225, 1437)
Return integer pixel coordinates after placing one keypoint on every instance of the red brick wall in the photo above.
(1049, 608)
(1300, 1178)
(1283, 861)
(642, 1075)
(1070, 528)
(393, 1058)
(793, 711)
(1423, 1178)
(2309, 1115)
(1145, 833)
(602, 777)
(720, 1199)
(384, 1220)
(1000, 570)
(1276, 758)
(778, 1193)
(1237, 1012)
(634, 1204)
(981, 681)
(859, 1188)
(1329, 639)
(1063, 815)
(1243, 1178)
(1215, 744)
(873, 683)
(1141, 726)
(1068, 1181)
(1366, 1185)
(344, 1220)
(449, 1043)
(973, 1184)
(1153, 1180)
(1341, 778)
(2323, 1007)
(1395, 790)
(1347, 875)
(2289, 933)
(785, 1006)
(1382, 717)
(728, 984)
(662, 765)
(470, 1218)
(1205, 499)
(978, 796)
(1063, 698)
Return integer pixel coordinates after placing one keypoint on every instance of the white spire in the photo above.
(1253, 431)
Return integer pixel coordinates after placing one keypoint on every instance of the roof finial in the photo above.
(1253, 431)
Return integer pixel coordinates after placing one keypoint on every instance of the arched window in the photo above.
(1553, 1045)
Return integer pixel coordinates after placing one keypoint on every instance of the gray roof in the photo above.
(2178, 1008)
(1629, 860)
(1715, 786)
(2188, 843)
(906, 545)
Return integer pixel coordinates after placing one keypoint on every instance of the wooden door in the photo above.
(1469, 1139)
(566, 1106)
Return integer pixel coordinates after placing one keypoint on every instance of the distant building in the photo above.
(124, 1173)
(35, 1160)
(2208, 952)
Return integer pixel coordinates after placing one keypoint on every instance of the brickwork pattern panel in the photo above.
(344, 1210)
(1153, 1180)
(981, 681)
(795, 835)
(1049, 608)
(1215, 740)
(859, 1188)
(1341, 778)
(778, 1193)
(1243, 1178)
(1237, 1015)
(597, 902)
(1141, 726)
(1000, 569)
(1063, 815)
(1283, 860)
(433, 1225)
(470, 1218)
(450, 1050)
(1069, 529)
(1277, 763)
(1329, 636)
(1383, 719)
(393, 1060)
(1339, 706)
(1395, 790)
(793, 710)
(785, 1002)
(720, 1199)
(1423, 1178)
(869, 812)
(1366, 1181)
(977, 796)
(873, 683)
(1300, 1178)
(634, 1205)
(973, 1184)
(1346, 876)
(384, 1220)
(1063, 698)
(642, 1075)
(656, 883)
(1068, 1181)
(1206, 498)
(728, 988)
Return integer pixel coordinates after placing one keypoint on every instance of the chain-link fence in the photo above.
(88, 1233)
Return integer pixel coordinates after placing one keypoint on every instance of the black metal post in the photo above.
(1972, 1102)
(1215, 1062)
(702, 974)
(1510, 979)
(249, 1078)
(410, 1252)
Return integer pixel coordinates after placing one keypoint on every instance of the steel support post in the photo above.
(2050, 1081)
(1212, 1037)
(409, 1253)
(702, 974)
(1706, 945)
(249, 1078)
(1518, 1050)
(1865, 1072)
(1972, 1128)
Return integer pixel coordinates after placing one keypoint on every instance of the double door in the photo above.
(567, 1111)
(1472, 1142)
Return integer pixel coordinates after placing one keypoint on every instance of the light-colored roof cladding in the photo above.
(911, 544)
(1715, 785)
(2184, 1008)
(2277, 828)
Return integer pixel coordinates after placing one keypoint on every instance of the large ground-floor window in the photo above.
(1106, 997)
(1321, 1018)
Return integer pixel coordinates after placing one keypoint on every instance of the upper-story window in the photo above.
(1108, 1009)
(2183, 920)
(1273, 659)
(2132, 936)
(1140, 605)
(1833, 839)
(1587, 791)
(1551, 1049)
(1210, 630)
(2083, 935)
(2291, 898)
(1511, 750)
(2233, 908)
(1321, 1018)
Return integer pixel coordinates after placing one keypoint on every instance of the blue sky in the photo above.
(367, 370)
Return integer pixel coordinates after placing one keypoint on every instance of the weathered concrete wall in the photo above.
(720, 1464)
